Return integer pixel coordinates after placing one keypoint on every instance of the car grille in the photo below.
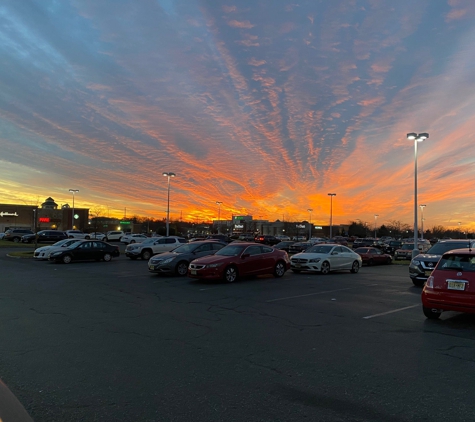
(299, 260)
(197, 266)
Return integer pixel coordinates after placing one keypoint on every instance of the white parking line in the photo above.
(390, 312)
(310, 294)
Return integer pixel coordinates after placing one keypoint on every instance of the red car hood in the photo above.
(211, 259)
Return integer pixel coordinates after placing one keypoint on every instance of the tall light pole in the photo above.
(331, 195)
(460, 233)
(310, 224)
(422, 220)
(416, 137)
(375, 218)
(73, 191)
(168, 175)
(219, 215)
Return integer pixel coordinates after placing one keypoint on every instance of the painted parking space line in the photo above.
(391, 312)
(309, 294)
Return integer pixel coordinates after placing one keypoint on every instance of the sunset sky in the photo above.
(266, 106)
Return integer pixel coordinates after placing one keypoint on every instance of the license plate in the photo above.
(193, 272)
(455, 285)
(297, 265)
(428, 273)
(150, 267)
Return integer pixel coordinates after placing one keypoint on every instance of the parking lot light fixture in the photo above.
(416, 137)
(219, 215)
(375, 218)
(73, 191)
(310, 224)
(331, 195)
(422, 220)
(168, 175)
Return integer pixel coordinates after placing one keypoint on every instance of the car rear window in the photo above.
(462, 262)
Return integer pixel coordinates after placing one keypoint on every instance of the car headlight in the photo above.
(168, 260)
(415, 262)
(214, 265)
(314, 260)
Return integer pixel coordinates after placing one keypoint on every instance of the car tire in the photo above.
(279, 269)
(418, 283)
(355, 267)
(67, 259)
(146, 254)
(181, 268)
(429, 313)
(107, 257)
(105, 239)
(16, 239)
(230, 274)
(325, 267)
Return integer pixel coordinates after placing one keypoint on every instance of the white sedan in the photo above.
(325, 258)
(45, 251)
(133, 238)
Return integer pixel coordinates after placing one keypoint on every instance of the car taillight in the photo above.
(430, 282)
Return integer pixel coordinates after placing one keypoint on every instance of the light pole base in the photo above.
(415, 252)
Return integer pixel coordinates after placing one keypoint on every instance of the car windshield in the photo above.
(442, 247)
(232, 250)
(319, 249)
(186, 248)
(461, 262)
(61, 242)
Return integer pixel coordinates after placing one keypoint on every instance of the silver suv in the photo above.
(153, 246)
(423, 264)
(114, 236)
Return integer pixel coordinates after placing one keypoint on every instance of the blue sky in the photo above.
(266, 106)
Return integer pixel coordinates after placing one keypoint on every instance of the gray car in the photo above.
(423, 264)
(177, 261)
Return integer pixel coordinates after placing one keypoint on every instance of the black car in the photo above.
(15, 235)
(266, 239)
(44, 236)
(299, 247)
(284, 245)
(87, 250)
(220, 237)
(177, 261)
(392, 247)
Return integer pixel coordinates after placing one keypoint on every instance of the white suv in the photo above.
(77, 234)
(153, 246)
(114, 235)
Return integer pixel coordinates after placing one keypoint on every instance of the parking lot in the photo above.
(108, 341)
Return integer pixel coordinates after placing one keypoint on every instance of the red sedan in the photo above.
(451, 285)
(240, 259)
(373, 256)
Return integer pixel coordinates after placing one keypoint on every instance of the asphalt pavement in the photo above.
(103, 341)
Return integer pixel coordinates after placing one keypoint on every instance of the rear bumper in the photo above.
(448, 301)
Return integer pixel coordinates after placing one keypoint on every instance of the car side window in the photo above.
(203, 248)
(266, 249)
(216, 246)
(253, 250)
(85, 245)
(160, 242)
(170, 241)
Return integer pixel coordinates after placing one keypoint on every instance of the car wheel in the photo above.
(16, 239)
(325, 268)
(418, 283)
(182, 268)
(431, 313)
(279, 269)
(146, 255)
(370, 262)
(230, 274)
(355, 267)
(107, 257)
(67, 259)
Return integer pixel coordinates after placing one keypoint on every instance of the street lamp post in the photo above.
(422, 220)
(219, 215)
(73, 191)
(310, 224)
(331, 195)
(168, 175)
(375, 218)
(416, 137)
